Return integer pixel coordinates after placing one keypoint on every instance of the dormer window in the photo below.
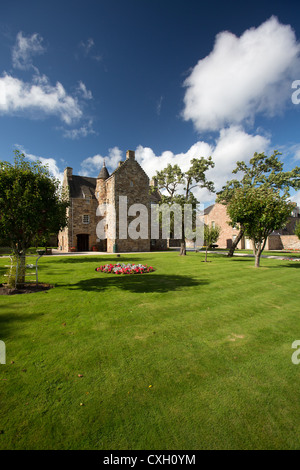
(87, 198)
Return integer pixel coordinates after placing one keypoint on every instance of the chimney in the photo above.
(130, 155)
(68, 173)
(153, 182)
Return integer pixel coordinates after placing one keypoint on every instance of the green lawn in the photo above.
(279, 253)
(194, 356)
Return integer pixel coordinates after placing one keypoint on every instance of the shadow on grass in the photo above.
(292, 265)
(139, 283)
(98, 259)
(13, 321)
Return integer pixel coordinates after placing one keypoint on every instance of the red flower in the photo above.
(127, 269)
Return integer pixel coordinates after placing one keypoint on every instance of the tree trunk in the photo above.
(21, 269)
(206, 254)
(259, 249)
(236, 242)
(257, 259)
(16, 274)
(182, 248)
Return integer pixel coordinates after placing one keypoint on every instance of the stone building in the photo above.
(280, 239)
(86, 194)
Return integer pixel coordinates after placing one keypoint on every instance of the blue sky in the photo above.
(85, 80)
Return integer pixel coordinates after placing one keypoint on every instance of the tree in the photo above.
(178, 186)
(211, 235)
(259, 211)
(264, 172)
(297, 230)
(31, 207)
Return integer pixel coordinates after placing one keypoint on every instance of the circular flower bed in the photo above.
(122, 268)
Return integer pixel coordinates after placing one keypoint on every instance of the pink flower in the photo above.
(125, 269)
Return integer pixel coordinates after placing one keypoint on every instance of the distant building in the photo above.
(285, 238)
(86, 194)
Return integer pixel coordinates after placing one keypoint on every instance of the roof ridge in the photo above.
(124, 163)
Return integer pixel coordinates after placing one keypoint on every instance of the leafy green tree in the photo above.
(297, 230)
(31, 207)
(177, 186)
(259, 211)
(211, 235)
(263, 171)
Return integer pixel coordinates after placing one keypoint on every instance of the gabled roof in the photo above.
(82, 185)
(118, 168)
(208, 209)
(124, 163)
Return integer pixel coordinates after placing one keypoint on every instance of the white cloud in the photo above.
(91, 166)
(38, 97)
(82, 90)
(296, 198)
(294, 151)
(50, 162)
(83, 131)
(17, 96)
(150, 162)
(86, 47)
(243, 76)
(25, 48)
(232, 145)
(158, 105)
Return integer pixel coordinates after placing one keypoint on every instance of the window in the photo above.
(87, 198)
(213, 225)
(131, 183)
(85, 219)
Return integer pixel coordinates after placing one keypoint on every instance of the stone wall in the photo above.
(129, 180)
(218, 215)
(283, 239)
(132, 182)
(274, 242)
(79, 207)
(84, 207)
(63, 237)
(290, 242)
(110, 199)
(283, 242)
